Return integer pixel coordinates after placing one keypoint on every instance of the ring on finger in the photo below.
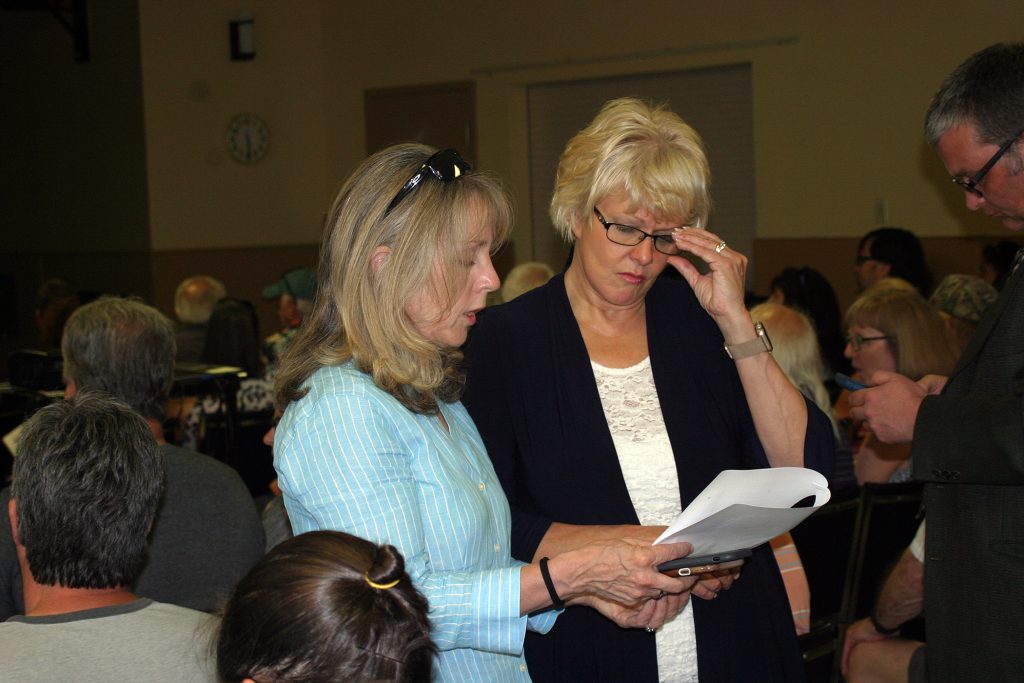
(720, 247)
(649, 629)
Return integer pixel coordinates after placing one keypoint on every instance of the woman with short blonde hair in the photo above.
(641, 148)
(606, 399)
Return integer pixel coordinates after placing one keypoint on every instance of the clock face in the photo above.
(248, 138)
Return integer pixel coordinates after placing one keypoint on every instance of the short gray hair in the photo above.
(87, 482)
(123, 347)
(987, 91)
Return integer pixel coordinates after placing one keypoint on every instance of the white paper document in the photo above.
(741, 509)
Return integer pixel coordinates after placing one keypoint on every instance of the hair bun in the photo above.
(388, 566)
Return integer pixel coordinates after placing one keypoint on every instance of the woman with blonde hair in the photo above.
(606, 398)
(375, 442)
(899, 331)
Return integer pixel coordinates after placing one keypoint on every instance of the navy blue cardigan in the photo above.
(532, 394)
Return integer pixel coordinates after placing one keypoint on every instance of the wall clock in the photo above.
(248, 138)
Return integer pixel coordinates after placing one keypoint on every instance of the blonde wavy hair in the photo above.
(795, 347)
(636, 148)
(917, 334)
(360, 315)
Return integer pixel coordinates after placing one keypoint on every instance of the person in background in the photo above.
(606, 399)
(870, 652)
(794, 345)
(996, 261)
(325, 607)
(207, 532)
(892, 252)
(961, 301)
(56, 300)
(87, 482)
(294, 293)
(524, 277)
(194, 300)
(374, 440)
(808, 291)
(232, 340)
(895, 330)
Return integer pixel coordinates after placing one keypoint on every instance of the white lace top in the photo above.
(633, 412)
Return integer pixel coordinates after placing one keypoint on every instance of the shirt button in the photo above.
(482, 486)
(522, 667)
(497, 548)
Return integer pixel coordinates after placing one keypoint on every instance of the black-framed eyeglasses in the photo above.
(630, 236)
(856, 341)
(971, 184)
(446, 165)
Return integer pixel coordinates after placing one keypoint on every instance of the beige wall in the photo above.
(128, 153)
(839, 89)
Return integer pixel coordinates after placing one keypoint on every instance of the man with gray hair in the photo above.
(194, 300)
(967, 429)
(87, 482)
(207, 532)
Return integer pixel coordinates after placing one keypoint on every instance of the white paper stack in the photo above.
(744, 508)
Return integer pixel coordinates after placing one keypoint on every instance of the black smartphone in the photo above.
(849, 383)
(702, 564)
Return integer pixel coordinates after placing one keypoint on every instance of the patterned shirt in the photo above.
(350, 457)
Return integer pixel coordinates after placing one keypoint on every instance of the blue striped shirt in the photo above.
(351, 457)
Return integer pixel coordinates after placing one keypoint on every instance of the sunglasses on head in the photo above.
(445, 165)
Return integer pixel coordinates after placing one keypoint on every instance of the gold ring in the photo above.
(721, 247)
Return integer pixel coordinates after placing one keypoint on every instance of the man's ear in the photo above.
(70, 389)
(884, 268)
(380, 256)
(12, 515)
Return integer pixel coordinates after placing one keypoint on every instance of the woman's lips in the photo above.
(631, 278)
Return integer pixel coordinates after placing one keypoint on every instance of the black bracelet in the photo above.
(556, 601)
(882, 631)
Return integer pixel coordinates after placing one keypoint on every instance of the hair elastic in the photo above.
(380, 586)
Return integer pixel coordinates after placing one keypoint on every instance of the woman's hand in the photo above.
(650, 614)
(621, 571)
(721, 290)
(709, 585)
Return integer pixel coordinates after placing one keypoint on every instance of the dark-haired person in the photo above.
(233, 340)
(87, 482)
(997, 261)
(892, 252)
(809, 292)
(373, 626)
(374, 440)
(207, 532)
(968, 429)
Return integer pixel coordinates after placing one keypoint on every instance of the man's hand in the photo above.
(858, 632)
(890, 404)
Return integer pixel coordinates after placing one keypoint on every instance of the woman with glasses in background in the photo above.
(606, 399)
(375, 442)
(891, 327)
